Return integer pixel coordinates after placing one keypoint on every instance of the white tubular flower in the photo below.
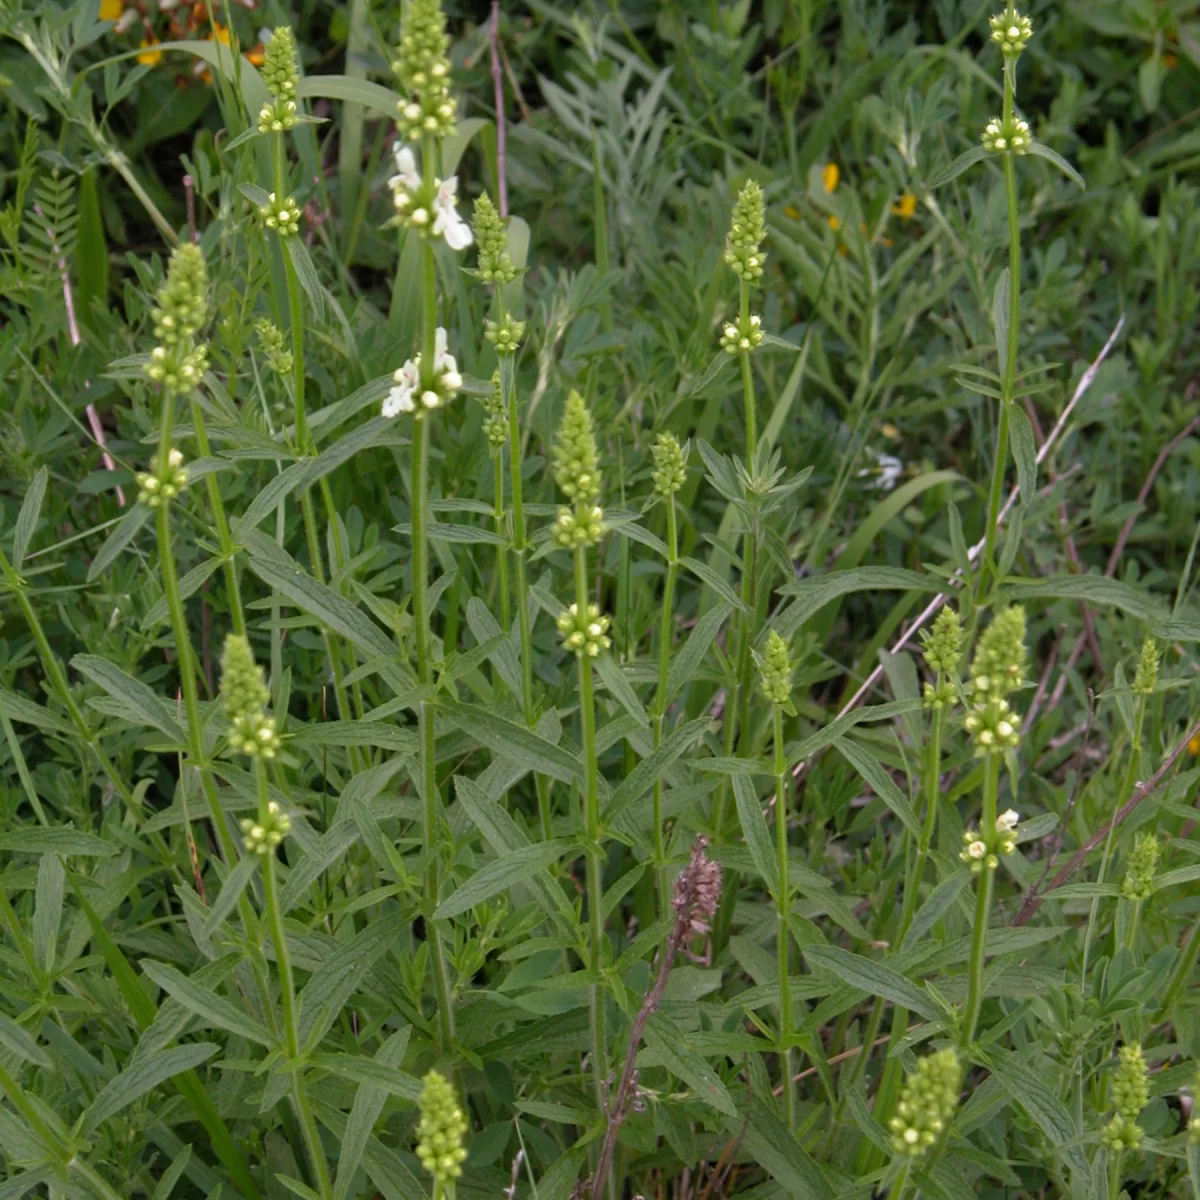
(1006, 822)
(407, 176)
(400, 398)
(446, 221)
(445, 365)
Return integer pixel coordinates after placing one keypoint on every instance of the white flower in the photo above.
(888, 469)
(1006, 822)
(445, 365)
(430, 399)
(400, 398)
(446, 222)
(407, 176)
(976, 849)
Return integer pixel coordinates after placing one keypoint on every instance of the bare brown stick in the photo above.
(1040, 694)
(498, 86)
(697, 891)
(189, 192)
(1036, 898)
(931, 609)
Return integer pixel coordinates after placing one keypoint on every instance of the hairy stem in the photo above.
(666, 624)
(983, 902)
(784, 903)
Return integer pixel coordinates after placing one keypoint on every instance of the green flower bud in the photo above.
(1121, 1134)
(742, 335)
(942, 645)
(670, 464)
(422, 68)
(279, 70)
(1146, 678)
(580, 526)
(265, 833)
(927, 1102)
(775, 670)
(495, 425)
(1138, 884)
(1131, 1083)
(163, 482)
(999, 663)
(584, 633)
(245, 695)
(1011, 31)
(281, 215)
(1001, 136)
(277, 116)
(993, 726)
(182, 301)
(576, 460)
(270, 338)
(495, 266)
(505, 335)
(177, 369)
(440, 1130)
(983, 849)
(747, 232)
(939, 695)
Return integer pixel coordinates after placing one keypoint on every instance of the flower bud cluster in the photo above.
(996, 670)
(495, 424)
(775, 670)
(283, 216)
(495, 266)
(576, 459)
(432, 210)
(410, 386)
(584, 633)
(1011, 31)
(927, 1102)
(440, 1130)
(263, 835)
(1138, 884)
(505, 334)
(942, 645)
(422, 68)
(582, 525)
(670, 464)
(176, 368)
(1145, 679)
(1130, 1093)
(180, 310)
(270, 338)
(747, 232)
(983, 850)
(279, 70)
(163, 482)
(245, 696)
(742, 334)
(1000, 136)
(277, 116)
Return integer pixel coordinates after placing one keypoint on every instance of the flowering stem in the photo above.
(983, 901)
(287, 997)
(1114, 1179)
(660, 697)
(591, 824)
(502, 549)
(900, 1185)
(784, 904)
(748, 382)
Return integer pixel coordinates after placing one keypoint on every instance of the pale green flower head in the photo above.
(281, 215)
(1145, 679)
(163, 482)
(1007, 137)
(440, 1130)
(495, 266)
(927, 1102)
(181, 305)
(742, 335)
(582, 525)
(270, 338)
(279, 70)
(999, 663)
(495, 424)
(505, 335)
(576, 459)
(245, 695)
(264, 833)
(1011, 31)
(747, 232)
(1131, 1082)
(422, 68)
(584, 633)
(775, 670)
(670, 464)
(1138, 884)
(942, 645)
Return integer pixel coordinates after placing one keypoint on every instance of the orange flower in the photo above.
(219, 33)
(1194, 745)
(1170, 61)
(111, 10)
(906, 207)
(835, 223)
(149, 58)
(257, 56)
(830, 176)
(793, 212)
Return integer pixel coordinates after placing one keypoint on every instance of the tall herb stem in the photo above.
(665, 627)
(784, 903)
(983, 903)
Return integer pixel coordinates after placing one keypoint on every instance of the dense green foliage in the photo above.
(686, 695)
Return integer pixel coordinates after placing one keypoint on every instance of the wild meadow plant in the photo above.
(643, 899)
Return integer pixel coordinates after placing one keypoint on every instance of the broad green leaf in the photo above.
(379, 99)
(21, 1185)
(621, 690)
(504, 737)
(934, 908)
(1028, 1087)
(641, 779)
(669, 1045)
(754, 829)
(707, 575)
(189, 585)
(880, 782)
(58, 840)
(230, 893)
(1095, 589)
(16, 1040)
(47, 911)
(514, 867)
(874, 978)
(18, 708)
(962, 163)
(1024, 451)
(812, 594)
(122, 534)
(141, 1076)
(207, 1005)
(172, 1175)
(770, 1144)
(140, 704)
(504, 656)
(1052, 156)
(371, 1073)
(27, 518)
(688, 660)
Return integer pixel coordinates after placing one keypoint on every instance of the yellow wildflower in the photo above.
(110, 10)
(149, 57)
(906, 206)
(835, 223)
(830, 176)
(1194, 745)
(220, 33)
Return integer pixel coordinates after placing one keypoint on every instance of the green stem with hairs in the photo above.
(900, 1185)
(983, 902)
(287, 998)
(666, 624)
(501, 522)
(784, 903)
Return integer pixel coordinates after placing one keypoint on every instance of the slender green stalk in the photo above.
(666, 624)
(784, 903)
(983, 903)
(287, 999)
(591, 824)
(900, 1186)
(1114, 1178)
(501, 521)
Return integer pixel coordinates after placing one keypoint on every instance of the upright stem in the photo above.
(287, 998)
(784, 903)
(501, 550)
(901, 1183)
(666, 624)
(983, 901)
(591, 824)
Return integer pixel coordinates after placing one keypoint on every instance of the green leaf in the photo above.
(17, 708)
(621, 690)
(27, 518)
(938, 904)
(345, 87)
(813, 593)
(770, 1144)
(687, 662)
(641, 779)
(172, 1175)
(514, 867)
(371, 1073)
(886, 510)
(1024, 451)
(230, 893)
(208, 1006)
(1001, 299)
(719, 585)
(754, 829)
(141, 1076)
(504, 656)
(1095, 589)
(189, 585)
(1051, 156)
(874, 978)
(59, 840)
(14, 1039)
(507, 738)
(139, 704)
(47, 911)
(122, 534)
(880, 782)
(20, 1185)
(962, 163)
(669, 1046)
(297, 1188)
